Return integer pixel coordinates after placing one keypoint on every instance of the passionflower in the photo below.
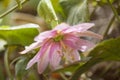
(61, 43)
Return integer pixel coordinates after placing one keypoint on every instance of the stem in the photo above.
(12, 9)
(114, 10)
(7, 63)
(91, 15)
(19, 4)
(109, 26)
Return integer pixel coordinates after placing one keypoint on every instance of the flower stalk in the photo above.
(12, 9)
(114, 10)
(109, 26)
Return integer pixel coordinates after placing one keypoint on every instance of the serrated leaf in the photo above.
(46, 10)
(108, 50)
(19, 35)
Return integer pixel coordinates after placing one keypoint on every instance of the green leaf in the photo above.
(74, 66)
(20, 68)
(59, 10)
(19, 35)
(77, 11)
(68, 4)
(108, 50)
(70, 68)
(46, 10)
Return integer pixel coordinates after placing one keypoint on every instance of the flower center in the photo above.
(58, 38)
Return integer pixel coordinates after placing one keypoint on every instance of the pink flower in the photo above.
(63, 42)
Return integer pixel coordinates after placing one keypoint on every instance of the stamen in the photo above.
(58, 31)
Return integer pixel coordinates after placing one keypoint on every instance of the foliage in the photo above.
(19, 35)
(20, 67)
(45, 9)
(105, 51)
(76, 11)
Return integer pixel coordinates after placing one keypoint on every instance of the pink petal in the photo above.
(79, 28)
(44, 35)
(84, 45)
(89, 33)
(74, 42)
(61, 26)
(72, 55)
(55, 61)
(33, 60)
(55, 57)
(31, 47)
(43, 62)
(52, 49)
(39, 54)
(70, 40)
(70, 43)
(76, 55)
